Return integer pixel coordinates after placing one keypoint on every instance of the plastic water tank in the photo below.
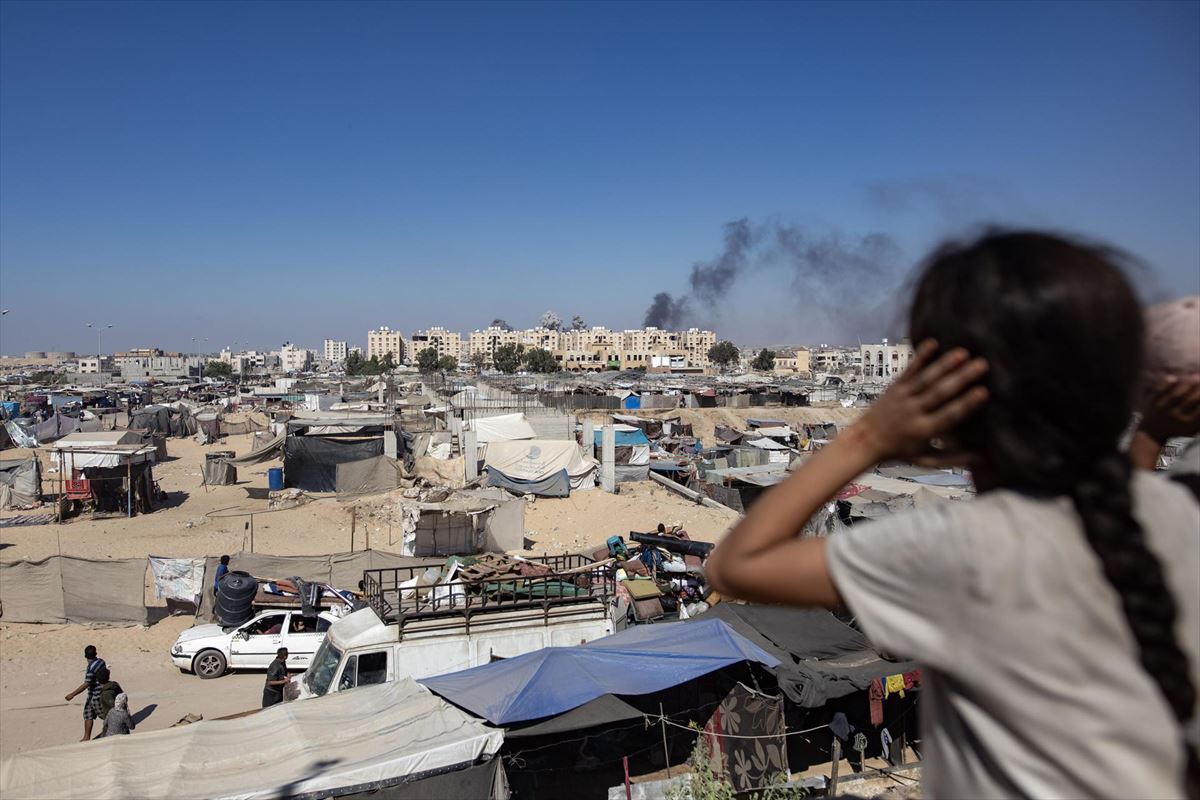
(235, 598)
(275, 479)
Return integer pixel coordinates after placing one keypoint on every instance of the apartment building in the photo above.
(446, 343)
(335, 351)
(383, 341)
(293, 358)
(793, 362)
(885, 361)
(697, 343)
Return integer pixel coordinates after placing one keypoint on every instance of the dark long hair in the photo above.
(1061, 329)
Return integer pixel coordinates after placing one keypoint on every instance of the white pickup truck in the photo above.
(421, 638)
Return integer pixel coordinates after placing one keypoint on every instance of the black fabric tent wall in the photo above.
(310, 462)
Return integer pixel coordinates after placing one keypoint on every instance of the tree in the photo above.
(507, 357)
(551, 321)
(765, 360)
(427, 361)
(388, 363)
(577, 323)
(448, 364)
(723, 353)
(540, 360)
(501, 324)
(478, 359)
(218, 369)
(353, 363)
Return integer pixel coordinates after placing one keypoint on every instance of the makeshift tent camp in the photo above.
(20, 482)
(534, 466)
(505, 428)
(370, 738)
(176, 420)
(635, 661)
(632, 452)
(311, 462)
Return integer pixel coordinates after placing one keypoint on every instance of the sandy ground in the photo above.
(41, 663)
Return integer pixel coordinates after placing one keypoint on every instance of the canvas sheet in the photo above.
(178, 578)
(367, 735)
(556, 484)
(535, 459)
(369, 476)
(505, 428)
(21, 480)
(310, 462)
(20, 436)
(72, 589)
(262, 452)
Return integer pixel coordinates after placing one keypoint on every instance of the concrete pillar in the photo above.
(470, 455)
(608, 459)
(589, 439)
(391, 447)
(456, 426)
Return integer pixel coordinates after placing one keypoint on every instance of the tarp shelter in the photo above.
(469, 521)
(631, 454)
(104, 449)
(640, 660)
(819, 657)
(311, 462)
(504, 428)
(534, 461)
(169, 420)
(20, 482)
(368, 476)
(72, 589)
(370, 738)
(269, 451)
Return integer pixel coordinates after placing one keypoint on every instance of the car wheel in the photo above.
(209, 664)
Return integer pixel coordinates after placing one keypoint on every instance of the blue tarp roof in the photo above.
(641, 660)
(624, 438)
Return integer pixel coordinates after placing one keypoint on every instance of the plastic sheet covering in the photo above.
(507, 427)
(639, 660)
(369, 476)
(178, 578)
(371, 736)
(71, 589)
(557, 484)
(20, 482)
(21, 435)
(263, 452)
(310, 462)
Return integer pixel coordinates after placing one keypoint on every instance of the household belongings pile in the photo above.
(659, 575)
(543, 467)
(466, 582)
(395, 734)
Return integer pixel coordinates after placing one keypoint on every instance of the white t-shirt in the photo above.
(1031, 686)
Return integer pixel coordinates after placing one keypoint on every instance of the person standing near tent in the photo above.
(1056, 616)
(91, 684)
(222, 571)
(277, 678)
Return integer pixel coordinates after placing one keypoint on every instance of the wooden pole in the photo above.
(353, 522)
(628, 788)
(129, 481)
(666, 754)
(251, 533)
(835, 757)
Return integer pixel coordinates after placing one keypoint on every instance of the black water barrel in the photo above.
(235, 598)
(683, 546)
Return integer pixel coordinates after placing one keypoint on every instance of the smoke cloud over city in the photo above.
(848, 278)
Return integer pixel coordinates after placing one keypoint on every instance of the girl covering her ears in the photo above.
(1057, 616)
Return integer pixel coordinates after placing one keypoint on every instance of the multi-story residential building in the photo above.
(697, 343)
(335, 351)
(793, 362)
(446, 343)
(293, 358)
(488, 340)
(91, 365)
(383, 341)
(885, 361)
(252, 362)
(164, 365)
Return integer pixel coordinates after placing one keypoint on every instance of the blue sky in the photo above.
(263, 172)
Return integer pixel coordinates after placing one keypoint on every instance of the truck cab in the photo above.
(457, 624)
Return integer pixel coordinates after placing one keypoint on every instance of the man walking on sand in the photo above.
(277, 678)
(91, 684)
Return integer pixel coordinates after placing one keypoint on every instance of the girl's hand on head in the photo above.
(929, 399)
(1172, 408)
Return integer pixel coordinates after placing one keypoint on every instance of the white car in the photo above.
(210, 650)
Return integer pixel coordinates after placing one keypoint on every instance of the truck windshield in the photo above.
(320, 671)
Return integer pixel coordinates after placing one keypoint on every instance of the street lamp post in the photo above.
(99, 329)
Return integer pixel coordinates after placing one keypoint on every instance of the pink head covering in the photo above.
(1173, 338)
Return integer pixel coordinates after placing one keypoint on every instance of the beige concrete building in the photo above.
(885, 361)
(793, 362)
(335, 350)
(446, 343)
(383, 341)
(697, 343)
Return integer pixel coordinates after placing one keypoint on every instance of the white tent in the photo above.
(370, 736)
(504, 428)
(536, 459)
